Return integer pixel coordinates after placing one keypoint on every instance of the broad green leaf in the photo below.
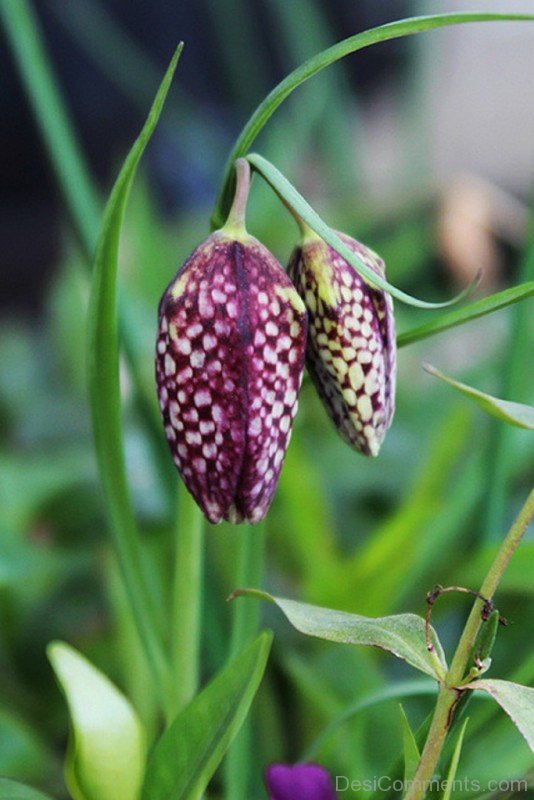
(410, 748)
(518, 414)
(403, 635)
(455, 760)
(472, 311)
(383, 33)
(12, 790)
(191, 749)
(516, 700)
(107, 749)
(105, 397)
(294, 199)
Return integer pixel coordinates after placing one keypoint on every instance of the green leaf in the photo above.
(518, 414)
(294, 199)
(12, 790)
(191, 749)
(383, 33)
(402, 634)
(516, 700)
(487, 305)
(453, 767)
(107, 748)
(411, 750)
(105, 397)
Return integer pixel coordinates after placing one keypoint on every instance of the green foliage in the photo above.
(192, 748)
(318, 62)
(410, 747)
(403, 635)
(303, 209)
(468, 313)
(505, 410)
(453, 766)
(516, 700)
(104, 388)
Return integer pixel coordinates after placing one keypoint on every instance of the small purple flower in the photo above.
(351, 354)
(299, 782)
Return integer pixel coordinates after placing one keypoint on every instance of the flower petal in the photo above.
(299, 782)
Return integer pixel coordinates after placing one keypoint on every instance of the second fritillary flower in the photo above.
(351, 354)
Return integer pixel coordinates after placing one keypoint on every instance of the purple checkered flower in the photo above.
(299, 782)
(351, 354)
(229, 361)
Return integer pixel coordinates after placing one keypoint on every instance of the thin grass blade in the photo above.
(518, 414)
(104, 387)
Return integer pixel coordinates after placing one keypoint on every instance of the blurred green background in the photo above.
(421, 149)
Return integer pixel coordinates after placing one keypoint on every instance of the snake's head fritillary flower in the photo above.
(351, 353)
(299, 782)
(230, 355)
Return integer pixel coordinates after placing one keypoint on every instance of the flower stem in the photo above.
(235, 223)
(187, 601)
(448, 694)
(245, 623)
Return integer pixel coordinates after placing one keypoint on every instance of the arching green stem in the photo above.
(383, 33)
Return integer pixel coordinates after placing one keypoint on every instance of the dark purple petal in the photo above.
(299, 782)
(351, 353)
(230, 353)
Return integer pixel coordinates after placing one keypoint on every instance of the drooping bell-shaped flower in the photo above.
(351, 353)
(299, 782)
(230, 355)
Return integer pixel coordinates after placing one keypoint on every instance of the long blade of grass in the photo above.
(383, 33)
(58, 134)
(302, 208)
(74, 179)
(410, 747)
(104, 387)
(453, 767)
(487, 305)
(518, 414)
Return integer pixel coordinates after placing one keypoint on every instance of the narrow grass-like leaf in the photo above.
(80, 191)
(57, 132)
(294, 199)
(12, 790)
(403, 635)
(413, 688)
(191, 749)
(518, 414)
(487, 305)
(383, 33)
(455, 760)
(516, 700)
(107, 750)
(410, 748)
(104, 386)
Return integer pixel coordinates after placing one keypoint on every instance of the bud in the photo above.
(351, 354)
(229, 362)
